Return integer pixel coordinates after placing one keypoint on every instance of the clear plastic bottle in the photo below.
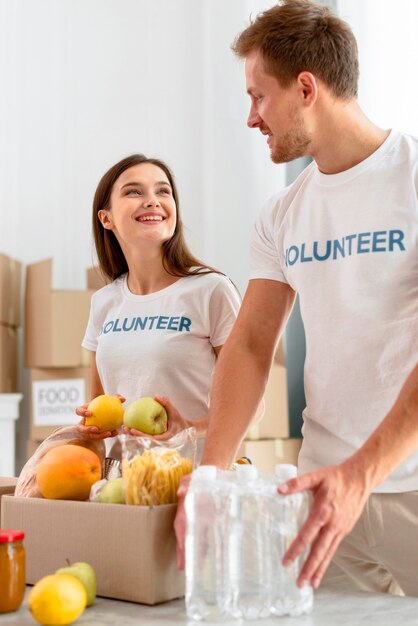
(248, 550)
(288, 513)
(205, 576)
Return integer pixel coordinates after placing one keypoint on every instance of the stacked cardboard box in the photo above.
(10, 319)
(55, 322)
(268, 442)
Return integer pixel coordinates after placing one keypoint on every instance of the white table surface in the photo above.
(331, 609)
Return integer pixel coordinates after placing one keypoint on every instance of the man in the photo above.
(344, 236)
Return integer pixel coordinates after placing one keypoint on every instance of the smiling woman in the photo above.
(156, 329)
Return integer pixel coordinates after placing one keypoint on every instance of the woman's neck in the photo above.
(147, 274)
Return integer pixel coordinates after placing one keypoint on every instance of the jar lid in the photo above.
(7, 536)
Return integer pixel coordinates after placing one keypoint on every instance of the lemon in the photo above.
(57, 600)
(107, 413)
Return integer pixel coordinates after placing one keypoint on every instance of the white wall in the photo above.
(87, 82)
(386, 33)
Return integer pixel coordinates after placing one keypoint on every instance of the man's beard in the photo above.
(292, 145)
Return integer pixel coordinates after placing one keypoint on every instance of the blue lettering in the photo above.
(116, 328)
(396, 237)
(350, 238)
(294, 249)
(303, 258)
(125, 324)
(141, 322)
(363, 241)
(173, 323)
(185, 323)
(316, 254)
(162, 322)
(338, 247)
(108, 327)
(152, 320)
(379, 236)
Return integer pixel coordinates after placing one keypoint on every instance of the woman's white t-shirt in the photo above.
(162, 343)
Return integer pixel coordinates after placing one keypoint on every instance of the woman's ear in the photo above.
(105, 219)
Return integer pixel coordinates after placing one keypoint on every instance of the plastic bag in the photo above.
(152, 469)
(26, 484)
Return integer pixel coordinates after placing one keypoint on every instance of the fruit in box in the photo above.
(146, 415)
(107, 413)
(112, 492)
(68, 472)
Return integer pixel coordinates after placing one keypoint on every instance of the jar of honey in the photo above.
(12, 570)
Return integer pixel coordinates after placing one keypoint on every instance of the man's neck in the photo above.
(348, 138)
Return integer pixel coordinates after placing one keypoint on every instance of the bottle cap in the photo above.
(285, 471)
(8, 536)
(246, 472)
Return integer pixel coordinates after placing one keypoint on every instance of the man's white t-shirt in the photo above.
(348, 245)
(162, 343)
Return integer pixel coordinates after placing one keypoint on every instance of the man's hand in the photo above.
(180, 520)
(339, 494)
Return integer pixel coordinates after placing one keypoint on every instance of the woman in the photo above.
(157, 328)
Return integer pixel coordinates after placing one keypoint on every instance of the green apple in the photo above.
(85, 574)
(112, 492)
(146, 415)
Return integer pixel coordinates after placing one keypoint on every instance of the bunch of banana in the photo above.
(153, 477)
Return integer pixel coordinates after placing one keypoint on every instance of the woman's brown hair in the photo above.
(177, 258)
(302, 36)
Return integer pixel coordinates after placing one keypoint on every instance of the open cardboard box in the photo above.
(132, 548)
(275, 421)
(267, 453)
(10, 286)
(55, 320)
(7, 486)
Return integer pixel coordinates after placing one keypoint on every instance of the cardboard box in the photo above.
(10, 291)
(95, 279)
(265, 454)
(55, 393)
(55, 321)
(7, 486)
(8, 359)
(132, 548)
(275, 422)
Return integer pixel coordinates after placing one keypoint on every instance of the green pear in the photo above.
(85, 574)
(146, 415)
(112, 492)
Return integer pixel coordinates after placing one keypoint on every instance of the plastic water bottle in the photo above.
(248, 562)
(288, 513)
(205, 515)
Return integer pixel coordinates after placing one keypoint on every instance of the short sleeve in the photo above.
(224, 305)
(93, 328)
(265, 261)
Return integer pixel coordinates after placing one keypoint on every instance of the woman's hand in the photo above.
(176, 422)
(93, 432)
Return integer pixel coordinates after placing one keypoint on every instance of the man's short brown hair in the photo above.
(298, 36)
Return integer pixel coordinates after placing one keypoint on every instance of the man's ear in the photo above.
(105, 219)
(308, 88)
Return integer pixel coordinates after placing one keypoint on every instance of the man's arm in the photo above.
(341, 491)
(243, 368)
(240, 377)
